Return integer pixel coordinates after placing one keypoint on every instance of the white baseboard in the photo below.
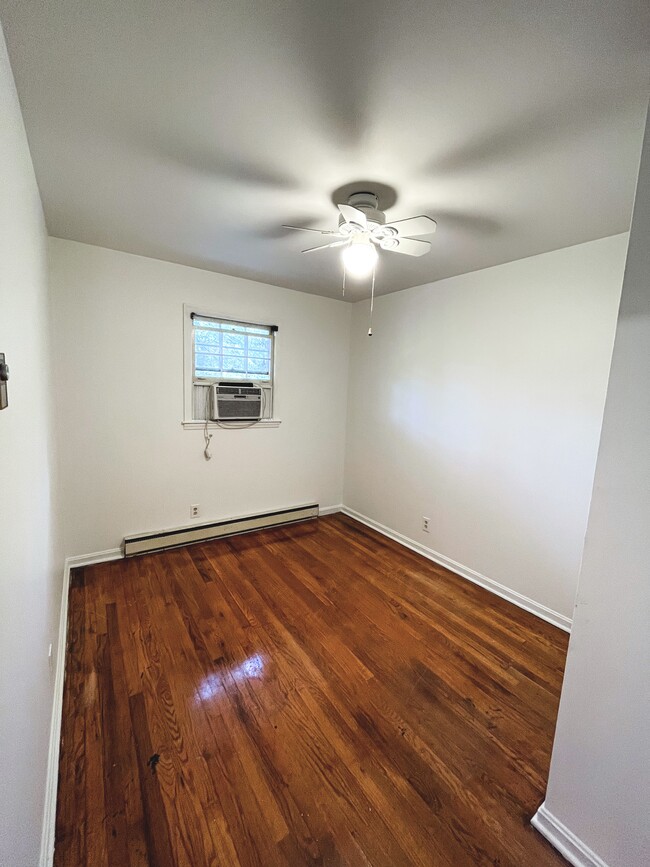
(565, 841)
(52, 776)
(51, 779)
(97, 557)
(524, 602)
(330, 510)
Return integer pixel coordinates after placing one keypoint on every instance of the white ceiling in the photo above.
(192, 131)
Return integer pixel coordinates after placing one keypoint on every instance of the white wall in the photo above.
(599, 784)
(31, 567)
(478, 404)
(127, 465)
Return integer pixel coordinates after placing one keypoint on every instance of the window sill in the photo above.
(239, 425)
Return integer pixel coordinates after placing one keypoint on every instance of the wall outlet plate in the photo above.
(425, 524)
(195, 510)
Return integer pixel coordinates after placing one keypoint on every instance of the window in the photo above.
(221, 349)
(231, 350)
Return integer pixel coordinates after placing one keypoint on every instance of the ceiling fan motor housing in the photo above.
(369, 204)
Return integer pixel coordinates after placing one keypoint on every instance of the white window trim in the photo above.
(262, 423)
(190, 423)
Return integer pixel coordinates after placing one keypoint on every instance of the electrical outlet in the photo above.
(425, 524)
(195, 511)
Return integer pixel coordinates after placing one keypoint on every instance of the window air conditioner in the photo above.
(236, 401)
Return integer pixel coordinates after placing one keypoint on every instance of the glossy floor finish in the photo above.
(315, 694)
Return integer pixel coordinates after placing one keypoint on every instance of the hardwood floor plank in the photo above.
(314, 694)
(197, 828)
(304, 841)
(373, 794)
(124, 754)
(156, 829)
(489, 681)
(277, 751)
(71, 847)
(349, 698)
(113, 746)
(345, 757)
(93, 758)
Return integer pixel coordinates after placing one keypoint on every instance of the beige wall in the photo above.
(127, 465)
(478, 403)
(599, 784)
(31, 565)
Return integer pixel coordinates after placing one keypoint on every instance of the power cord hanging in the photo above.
(207, 436)
(226, 425)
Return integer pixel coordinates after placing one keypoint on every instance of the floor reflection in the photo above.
(216, 683)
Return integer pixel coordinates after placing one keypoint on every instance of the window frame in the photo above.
(209, 380)
(189, 380)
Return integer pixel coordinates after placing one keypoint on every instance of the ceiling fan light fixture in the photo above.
(359, 258)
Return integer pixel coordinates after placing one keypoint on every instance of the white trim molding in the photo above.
(91, 559)
(52, 776)
(501, 590)
(330, 510)
(260, 423)
(565, 841)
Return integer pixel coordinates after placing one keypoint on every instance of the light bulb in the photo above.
(360, 258)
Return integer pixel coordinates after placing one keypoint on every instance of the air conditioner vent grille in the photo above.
(235, 402)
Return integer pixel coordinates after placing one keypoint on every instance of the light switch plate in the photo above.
(4, 376)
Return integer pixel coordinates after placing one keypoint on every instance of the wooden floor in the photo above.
(310, 695)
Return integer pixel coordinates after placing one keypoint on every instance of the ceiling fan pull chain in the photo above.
(372, 299)
(344, 271)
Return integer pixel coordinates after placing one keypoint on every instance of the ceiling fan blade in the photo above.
(414, 226)
(353, 215)
(318, 231)
(410, 247)
(326, 246)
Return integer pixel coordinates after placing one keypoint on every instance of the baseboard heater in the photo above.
(145, 543)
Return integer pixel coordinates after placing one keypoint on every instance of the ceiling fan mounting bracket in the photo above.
(364, 200)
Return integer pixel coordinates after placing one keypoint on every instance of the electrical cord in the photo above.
(226, 425)
(207, 436)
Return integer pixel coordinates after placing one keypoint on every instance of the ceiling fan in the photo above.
(363, 228)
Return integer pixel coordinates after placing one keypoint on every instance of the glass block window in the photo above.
(223, 349)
